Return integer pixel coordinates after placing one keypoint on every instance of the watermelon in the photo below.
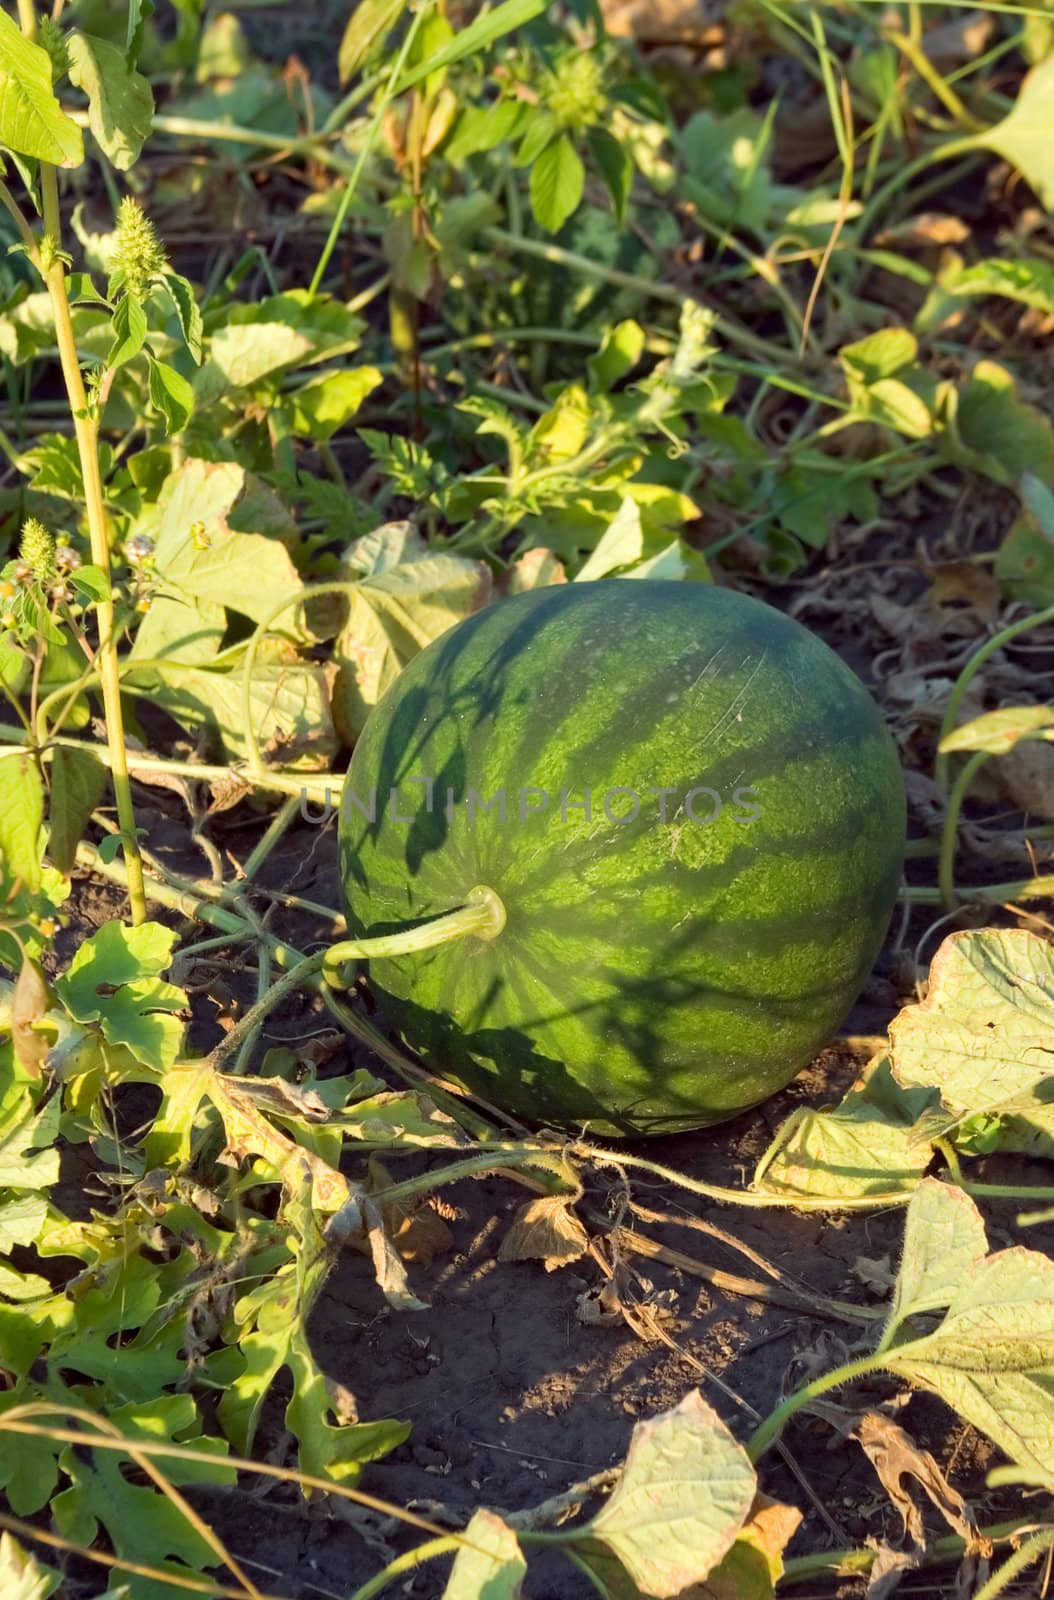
(689, 811)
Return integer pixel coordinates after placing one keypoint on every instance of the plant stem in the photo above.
(772, 1426)
(946, 862)
(407, 1562)
(87, 435)
(966, 676)
(845, 1563)
(989, 894)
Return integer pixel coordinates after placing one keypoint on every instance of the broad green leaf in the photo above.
(113, 980)
(1024, 565)
(1029, 281)
(621, 545)
(143, 1524)
(285, 330)
(998, 731)
(32, 122)
(478, 36)
(684, 1495)
(726, 172)
(557, 181)
(21, 1575)
(490, 1565)
(220, 541)
(984, 1035)
(1023, 136)
(868, 1144)
(182, 627)
(78, 782)
(481, 128)
(171, 395)
(369, 22)
(223, 50)
(120, 101)
(987, 428)
(324, 404)
(21, 818)
(943, 1238)
(992, 1357)
(22, 1219)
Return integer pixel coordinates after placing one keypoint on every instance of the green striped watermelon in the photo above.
(693, 815)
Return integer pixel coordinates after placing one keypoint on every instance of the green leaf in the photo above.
(120, 100)
(478, 36)
(684, 1495)
(21, 1575)
(21, 818)
(220, 540)
(78, 782)
(621, 349)
(367, 26)
(129, 327)
(984, 1035)
(491, 1566)
(1029, 281)
(32, 122)
(943, 1237)
(615, 165)
(1024, 565)
(541, 129)
(143, 1525)
(1023, 137)
(171, 395)
(285, 330)
(620, 546)
(992, 1357)
(868, 1144)
(998, 731)
(27, 1159)
(81, 291)
(324, 404)
(880, 355)
(113, 980)
(481, 128)
(987, 428)
(182, 296)
(557, 181)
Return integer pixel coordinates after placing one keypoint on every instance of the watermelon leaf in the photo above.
(489, 1563)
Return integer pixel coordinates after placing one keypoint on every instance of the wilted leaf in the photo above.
(992, 1358)
(406, 597)
(684, 1495)
(754, 1565)
(867, 1144)
(545, 1229)
(367, 26)
(895, 1456)
(1029, 281)
(29, 1005)
(620, 546)
(489, 1567)
(984, 1035)
(1023, 136)
(536, 570)
(998, 731)
(943, 1237)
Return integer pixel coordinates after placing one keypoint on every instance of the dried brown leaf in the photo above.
(29, 1005)
(925, 228)
(1026, 776)
(546, 1230)
(895, 1456)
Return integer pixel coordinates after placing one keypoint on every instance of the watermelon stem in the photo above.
(482, 914)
